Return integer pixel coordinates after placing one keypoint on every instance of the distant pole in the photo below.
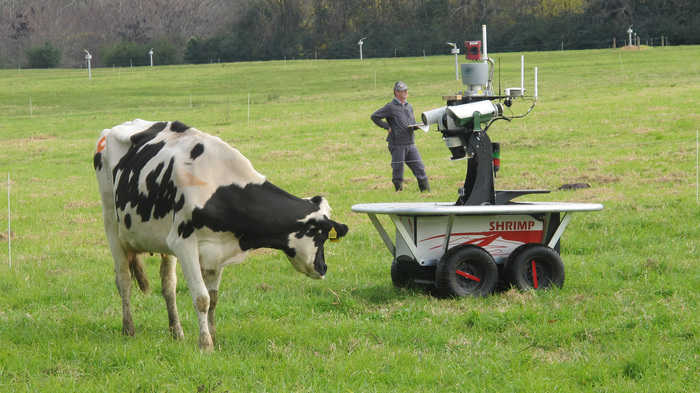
(88, 57)
(360, 42)
(522, 74)
(248, 107)
(150, 54)
(629, 33)
(9, 228)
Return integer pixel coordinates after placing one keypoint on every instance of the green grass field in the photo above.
(626, 320)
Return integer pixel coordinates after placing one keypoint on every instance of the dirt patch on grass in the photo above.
(632, 48)
(363, 179)
(673, 177)
(600, 178)
(80, 204)
(642, 130)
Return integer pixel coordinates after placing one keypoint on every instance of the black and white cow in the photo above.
(170, 189)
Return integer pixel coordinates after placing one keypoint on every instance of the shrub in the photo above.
(45, 56)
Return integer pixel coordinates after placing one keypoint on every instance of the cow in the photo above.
(173, 190)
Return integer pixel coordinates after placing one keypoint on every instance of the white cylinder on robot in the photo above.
(433, 116)
(463, 114)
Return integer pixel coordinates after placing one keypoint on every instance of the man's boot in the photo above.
(398, 185)
(423, 185)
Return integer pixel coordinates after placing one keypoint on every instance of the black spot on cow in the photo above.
(259, 209)
(180, 203)
(160, 196)
(197, 151)
(127, 221)
(148, 135)
(97, 161)
(277, 241)
(176, 126)
(128, 171)
(320, 262)
(185, 229)
(313, 230)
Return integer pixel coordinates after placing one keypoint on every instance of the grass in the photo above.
(626, 319)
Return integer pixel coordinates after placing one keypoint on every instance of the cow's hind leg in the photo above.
(168, 280)
(123, 281)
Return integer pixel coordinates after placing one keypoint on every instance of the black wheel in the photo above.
(466, 271)
(398, 278)
(535, 267)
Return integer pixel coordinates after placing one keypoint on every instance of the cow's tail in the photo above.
(138, 272)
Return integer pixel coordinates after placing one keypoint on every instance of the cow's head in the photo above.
(305, 246)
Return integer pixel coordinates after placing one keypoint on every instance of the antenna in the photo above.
(455, 51)
(483, 38)
(499, 75)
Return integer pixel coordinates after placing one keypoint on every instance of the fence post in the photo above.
(9, 227)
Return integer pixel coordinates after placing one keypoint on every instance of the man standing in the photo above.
(399, 120)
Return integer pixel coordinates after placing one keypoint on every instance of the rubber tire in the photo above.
(470, 259)
(398, 278)
(548, 265)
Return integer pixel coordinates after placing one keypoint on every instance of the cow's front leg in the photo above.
(189, 262)
(168, 279)
(212, 278)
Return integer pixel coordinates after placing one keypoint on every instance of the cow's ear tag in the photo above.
(333, 235)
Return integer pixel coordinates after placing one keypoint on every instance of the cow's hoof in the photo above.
(206, 344)
(177, 333)
(128, 329)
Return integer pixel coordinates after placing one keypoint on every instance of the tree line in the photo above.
(52, 33)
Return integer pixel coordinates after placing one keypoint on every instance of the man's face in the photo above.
(401, 95)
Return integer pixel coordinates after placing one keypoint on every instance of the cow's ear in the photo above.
(341, 229)
(317, 200)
